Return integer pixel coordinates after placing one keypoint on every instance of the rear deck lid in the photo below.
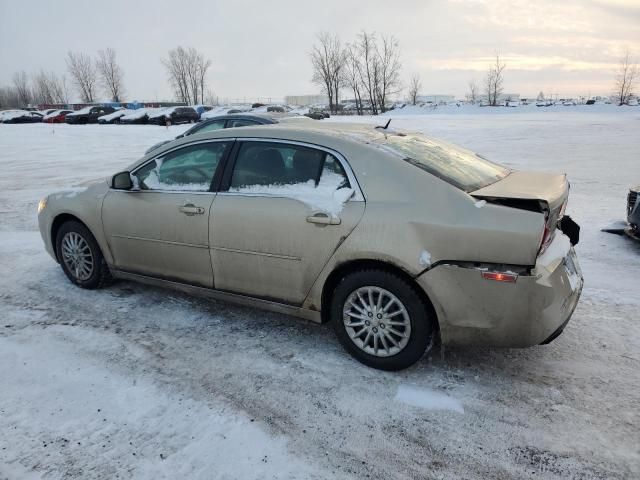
(550, 188)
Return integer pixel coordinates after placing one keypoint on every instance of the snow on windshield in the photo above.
(327, 197)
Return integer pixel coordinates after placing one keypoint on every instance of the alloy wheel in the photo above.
(77, 256)
(376, 321)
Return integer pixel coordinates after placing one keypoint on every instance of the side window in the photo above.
(190, 169)
(269, 167)
(217, 125)
(241, 123)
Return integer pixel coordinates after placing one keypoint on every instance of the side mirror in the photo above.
(122, 181)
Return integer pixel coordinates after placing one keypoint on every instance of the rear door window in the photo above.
(264, 167)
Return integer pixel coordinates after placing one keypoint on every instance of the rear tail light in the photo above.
(545, 238)
(500, 276)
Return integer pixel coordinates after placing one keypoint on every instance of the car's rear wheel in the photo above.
(381, 319)
(80, 256)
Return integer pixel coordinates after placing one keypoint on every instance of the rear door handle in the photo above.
(190, 209)
(323, 219)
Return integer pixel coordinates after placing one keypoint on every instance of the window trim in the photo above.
(225, 183)
(217, 176)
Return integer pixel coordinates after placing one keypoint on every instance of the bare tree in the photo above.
(472, 96)
(414, 89)
(540, 96)
(203, 66)
(351, 75)
(626, 79)
(9, 98)
(494, 82)
(111, 75)
(328, 59)
(187, 69)
(22, 90)
(84, 75)
(368, 67)
(388, 78)
(48, 88)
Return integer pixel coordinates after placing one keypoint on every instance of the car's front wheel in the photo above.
(381, 319)
(80, 256)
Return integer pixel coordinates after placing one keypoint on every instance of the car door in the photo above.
(161, 229)
(285, 209)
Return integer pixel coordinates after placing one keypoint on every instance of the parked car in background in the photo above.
(229, 121)
(22, 116)
(46, 112)
(88, 115)
(56, 116)
(114, 117)
(449, 244)
(633, 213)
(174, 115)
(9, 113)
(139, 116)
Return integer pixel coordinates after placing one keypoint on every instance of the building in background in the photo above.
(438, 99)
(306, 100)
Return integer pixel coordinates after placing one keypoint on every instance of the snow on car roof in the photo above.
(16, 114)
(117, 114)
(82, 111)
(162, 111)
(139, 113)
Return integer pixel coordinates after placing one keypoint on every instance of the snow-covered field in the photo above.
(137, 382)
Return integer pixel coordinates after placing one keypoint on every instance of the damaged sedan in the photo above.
(397, 239)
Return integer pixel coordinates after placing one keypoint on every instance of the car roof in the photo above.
(345, 138)
(262, 118)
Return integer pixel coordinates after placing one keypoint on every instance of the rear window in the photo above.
(457, 166)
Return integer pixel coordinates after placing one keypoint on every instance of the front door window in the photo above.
(189, 169)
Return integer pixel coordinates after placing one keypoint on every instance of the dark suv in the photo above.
(224, 121)
(175, 115)
(633, 213)
(88, 115)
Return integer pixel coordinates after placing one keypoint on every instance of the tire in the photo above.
(74, 233)
(407, 315)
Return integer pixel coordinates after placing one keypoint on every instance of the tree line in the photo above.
(90, 77)
(368, 67)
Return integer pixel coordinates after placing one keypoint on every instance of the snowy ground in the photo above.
(137, 382)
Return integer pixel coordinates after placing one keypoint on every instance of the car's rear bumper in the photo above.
(533, 310)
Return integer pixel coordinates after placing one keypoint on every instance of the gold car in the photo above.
(396, 238)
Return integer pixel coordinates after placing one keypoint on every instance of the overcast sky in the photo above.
(260, 48)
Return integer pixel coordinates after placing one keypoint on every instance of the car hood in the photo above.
(547, 187)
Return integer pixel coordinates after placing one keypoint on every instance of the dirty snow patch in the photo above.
(427, 398)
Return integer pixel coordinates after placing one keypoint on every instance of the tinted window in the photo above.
(261, 165)
(187, 169)
(457, 166)
(241, 123)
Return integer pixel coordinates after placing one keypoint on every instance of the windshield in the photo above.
(457, 166)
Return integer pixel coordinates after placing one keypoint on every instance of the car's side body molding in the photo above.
(244, 300)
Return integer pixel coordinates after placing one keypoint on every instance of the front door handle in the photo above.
(190, 209)
(323, 219)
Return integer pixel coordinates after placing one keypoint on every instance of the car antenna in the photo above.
(386, 125)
